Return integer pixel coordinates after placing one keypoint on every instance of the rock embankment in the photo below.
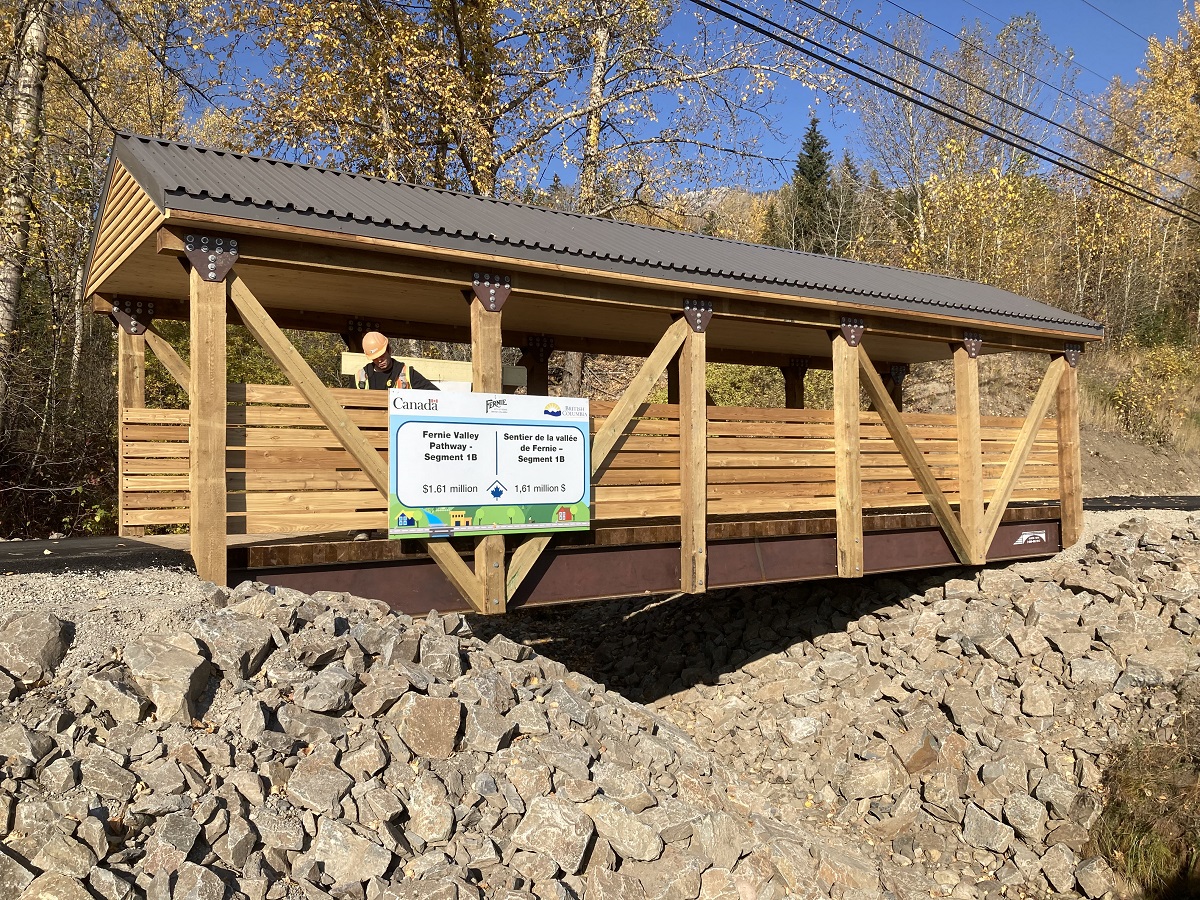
(964, 724)
(288, 746)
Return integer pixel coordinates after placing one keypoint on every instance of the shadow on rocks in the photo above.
(649, 648)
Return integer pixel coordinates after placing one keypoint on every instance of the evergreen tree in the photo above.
(811, 190)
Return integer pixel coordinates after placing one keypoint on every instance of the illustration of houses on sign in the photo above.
(404, 521)
(564, 514)
(459, 518)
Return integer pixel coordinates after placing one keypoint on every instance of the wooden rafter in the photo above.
(605, 440)
(915, 460)
(301, 375)
(1022, 447)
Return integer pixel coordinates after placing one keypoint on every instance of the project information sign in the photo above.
(487, 463)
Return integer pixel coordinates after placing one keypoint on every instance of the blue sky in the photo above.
(1107, 48)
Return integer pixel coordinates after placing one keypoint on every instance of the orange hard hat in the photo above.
(374, 345)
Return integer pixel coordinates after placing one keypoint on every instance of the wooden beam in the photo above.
(693, 466)
(603, 441)
(131, 394)
(317, 248)
(171, 361)
(1022, 447)
(487, 377)
(922, 474)
(206, 393)
(1070, 466)
(301, 375)
(970, 451)
(847, 473)
(537, 372)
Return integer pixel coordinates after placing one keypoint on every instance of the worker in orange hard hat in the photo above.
(382, 371)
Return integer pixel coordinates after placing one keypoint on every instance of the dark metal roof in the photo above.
(215, 182)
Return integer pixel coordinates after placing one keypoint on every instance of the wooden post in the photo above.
(207, 392)
(793, 383)
(693, 465)
(1070, 467)
(848, 477)
(536, 360)
(970, 450)
(131, 394)
(487, 377)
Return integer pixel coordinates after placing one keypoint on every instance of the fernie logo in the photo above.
(552, 409)
(1031, 537)
(430, 405)
(497, 405)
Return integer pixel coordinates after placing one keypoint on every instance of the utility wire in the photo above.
(1039, 41)
(1112, 18)
(1017, 141)
(1082, 101)
(987, 92)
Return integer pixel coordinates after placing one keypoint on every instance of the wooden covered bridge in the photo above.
(687, 496)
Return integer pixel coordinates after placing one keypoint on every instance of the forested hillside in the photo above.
(645, 110)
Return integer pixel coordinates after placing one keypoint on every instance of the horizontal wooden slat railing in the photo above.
(287, 473)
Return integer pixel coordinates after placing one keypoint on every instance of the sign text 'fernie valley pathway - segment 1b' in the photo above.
(487, 463)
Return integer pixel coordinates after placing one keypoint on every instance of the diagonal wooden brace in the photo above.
(908, 448)
(259, 323)
(1021, 449)
(603, 441)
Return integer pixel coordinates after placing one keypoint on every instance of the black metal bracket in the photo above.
(355, 329)
(491, 289)
(1072, 351)
(899, 372)
(211, 255)
(798, 362)
(133, 316)
(698, 313)
(852, 330)
(972, 342)
(540, 346)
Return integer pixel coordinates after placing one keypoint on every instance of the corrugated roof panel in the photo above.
(260, 189)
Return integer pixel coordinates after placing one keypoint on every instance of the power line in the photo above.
(1112, 18)
(1082, 101)
(1040, 42)
(988, 92)
(1017, 141)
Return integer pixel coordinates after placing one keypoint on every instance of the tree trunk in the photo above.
(589, 170)
(17, 201)
(572, 382)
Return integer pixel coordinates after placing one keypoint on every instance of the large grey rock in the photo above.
(170, 672)
(560, 830)
(429, 725)
(383, 688)
(1101, 672)
(346, 856)
(962, 702)
(1095, 877)
(109, 885)
(169, 845)
(629, 837)
(108, 779)
(32, 645)
(1058, 865)
(238, 645)
(1036, 699)
(318, 784)
(326, 692)
(1057, 793)
(113, 693)
(14, 877)
(870, 778)
(487, 730)
(673, 876)
(276, 831)
(53, 886)
(197, 883)
(797, 731)
(719, 837)
(430, 814)
(310, 727)
(620, 784)
(1026, 815)
(237, 843)
(982, 831)
(66, 856)
(603, 884)
(23, 745)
